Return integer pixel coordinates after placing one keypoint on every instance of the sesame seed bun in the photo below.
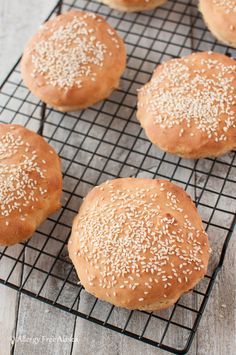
(133, 5)
(30, 182)
(73, 61)
(220, 18)
(188, 107)
(138, 243)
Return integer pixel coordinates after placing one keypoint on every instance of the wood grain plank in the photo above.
(7, 317)
(18, 21)
(216, 334)
(42, 329)
(9, 300)
(93, 339)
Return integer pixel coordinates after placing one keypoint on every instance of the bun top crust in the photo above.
(220, 17)
(188, 107)
(71, 57)
(136, 241)
(133, 5)
(30, 182)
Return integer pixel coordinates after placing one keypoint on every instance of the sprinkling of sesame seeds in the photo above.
(228, 5)
(183, 93)
(71, 53)
(7, 223)
(141, 299)
(17, 187)
(126, 227)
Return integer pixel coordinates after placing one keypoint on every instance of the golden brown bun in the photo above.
(220, 18)
(30, 182)
(73, 61)
(188, 108)
(133, 5)
(138, 243)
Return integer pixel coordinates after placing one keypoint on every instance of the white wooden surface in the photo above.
(22, 317)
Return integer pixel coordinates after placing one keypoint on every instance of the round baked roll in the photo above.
(138, 243)
(73, 61)
(133, 5)
(30, 182)
(188, 107)
(220, 18)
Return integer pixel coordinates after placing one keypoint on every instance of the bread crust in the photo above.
(133, 5)
(188, 106)
(138, 243)
(73, 61)
(220, 19)
(30, 183)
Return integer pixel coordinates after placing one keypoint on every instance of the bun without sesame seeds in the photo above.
(30, 183)
(138, 243)
(133, 5)
(220, 18)
(74, 61)
(188, 108)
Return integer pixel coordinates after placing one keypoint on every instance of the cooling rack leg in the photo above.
(42, 116)
(44, 106)
(59, 6)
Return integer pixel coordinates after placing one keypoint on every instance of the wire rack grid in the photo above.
(106, 142)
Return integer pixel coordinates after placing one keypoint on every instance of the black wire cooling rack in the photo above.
(105, 142)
